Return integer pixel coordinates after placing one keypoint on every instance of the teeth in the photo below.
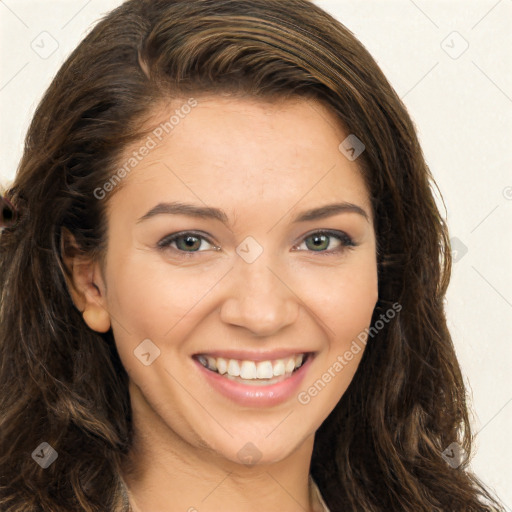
(279, 367)
(250, 370)
(264, 370)
(222, 365)
(233, 368)
(290, 365)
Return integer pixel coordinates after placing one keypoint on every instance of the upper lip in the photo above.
(251, 355)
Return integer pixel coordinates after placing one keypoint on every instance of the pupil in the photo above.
(319, 241)
(190, 241)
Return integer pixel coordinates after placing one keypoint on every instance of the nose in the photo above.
(259, 299)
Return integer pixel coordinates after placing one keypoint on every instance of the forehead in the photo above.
(243, 152)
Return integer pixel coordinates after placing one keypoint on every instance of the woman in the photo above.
(222, 275)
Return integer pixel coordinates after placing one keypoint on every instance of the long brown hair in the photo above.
(63, 384)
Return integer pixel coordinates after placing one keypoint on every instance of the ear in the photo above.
(85, 284)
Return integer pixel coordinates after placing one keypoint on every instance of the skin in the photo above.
(262, 163)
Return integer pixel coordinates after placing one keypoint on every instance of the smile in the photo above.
(254, 380)
(253, 370)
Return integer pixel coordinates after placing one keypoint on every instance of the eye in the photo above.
(327, 242)
(324, 242)
(185, 242)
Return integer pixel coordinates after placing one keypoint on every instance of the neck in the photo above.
(164, 472)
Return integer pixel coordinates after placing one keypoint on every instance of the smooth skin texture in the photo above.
(263, 164)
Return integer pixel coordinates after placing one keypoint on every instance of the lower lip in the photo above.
(254, 395)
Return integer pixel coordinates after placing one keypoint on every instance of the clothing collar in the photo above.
(316, 491)
(312, 484)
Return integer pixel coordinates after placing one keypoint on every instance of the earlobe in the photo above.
(96, 318)
(85, 284)
(93, 298)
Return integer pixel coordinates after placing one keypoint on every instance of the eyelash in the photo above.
(346, 242)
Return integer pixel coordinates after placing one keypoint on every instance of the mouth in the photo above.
(255, 373)
(254, 378)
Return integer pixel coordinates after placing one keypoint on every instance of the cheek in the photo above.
(149, 298)
(351, 311)
(346, 314)
(344, 298)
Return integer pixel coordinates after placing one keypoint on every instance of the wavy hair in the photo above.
(64, 384)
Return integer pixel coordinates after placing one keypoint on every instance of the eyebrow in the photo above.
(207, 212)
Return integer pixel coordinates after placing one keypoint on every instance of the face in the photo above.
(231, 285)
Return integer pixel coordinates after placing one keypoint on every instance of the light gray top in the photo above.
(312, 485)
(317, 492)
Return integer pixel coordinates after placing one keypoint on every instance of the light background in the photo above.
(461, 102)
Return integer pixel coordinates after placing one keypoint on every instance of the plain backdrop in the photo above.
(450, 62)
